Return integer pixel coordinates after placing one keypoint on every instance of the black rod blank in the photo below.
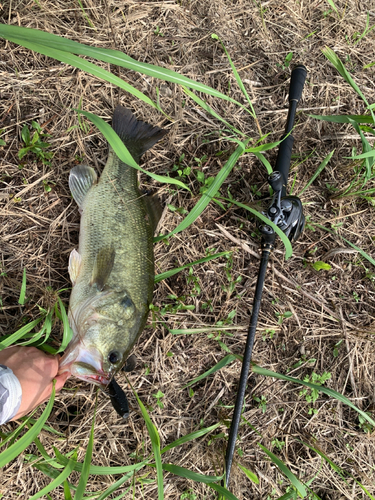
(297, 82)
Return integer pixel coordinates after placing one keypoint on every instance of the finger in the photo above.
(60, 381)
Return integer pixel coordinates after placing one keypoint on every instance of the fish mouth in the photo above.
(85, 363)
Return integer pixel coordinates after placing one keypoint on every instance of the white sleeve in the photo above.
(10, 394)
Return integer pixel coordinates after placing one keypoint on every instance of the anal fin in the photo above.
(75, 260)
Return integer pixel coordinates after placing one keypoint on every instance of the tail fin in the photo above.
(137, 136)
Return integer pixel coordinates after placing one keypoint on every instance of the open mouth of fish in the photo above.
(84, 363)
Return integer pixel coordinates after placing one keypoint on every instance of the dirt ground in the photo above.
(331, 325)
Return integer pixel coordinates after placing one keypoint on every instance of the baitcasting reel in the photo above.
(286, 212)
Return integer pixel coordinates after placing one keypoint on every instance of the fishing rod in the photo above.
(286, 212)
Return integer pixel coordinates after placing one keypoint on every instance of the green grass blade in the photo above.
(85, 15)
(82, 64)
(291, 495)
(86, 465)
(344, 118)
(201, 478)
(366, 148)
(121, 150)
(318, 171)
(46, 428)
(265, 162)
(17, 448)
(288, 473)
(155, 442)
(236, 75)
(172, 272)
(331, 3)
(339, 65)
(278, 231)
(67, 494)
(209, 110)
(21, 300)
(368, 154)
(189, 474)
(223, 491)
(362, 252)
(98, 469)
(41, 448)
(59, 480)
(7, 341)
(223, 362)
(12, 436)
(119, 483)
(209, 194)
(321, 388)
(249, 474)
(25, 35)
(68, 334)
(190, 437)
(338, 469)
(263, 147)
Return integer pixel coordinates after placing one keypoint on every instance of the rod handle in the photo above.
(283, 160)
(297, 82)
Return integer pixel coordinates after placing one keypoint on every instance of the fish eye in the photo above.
(114, 357)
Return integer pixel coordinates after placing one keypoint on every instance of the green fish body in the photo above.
(113, 271)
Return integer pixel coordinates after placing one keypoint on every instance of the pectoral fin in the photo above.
(81, 179)
(74, 265)
(103, 266)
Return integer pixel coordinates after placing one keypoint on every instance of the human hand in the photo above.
(35, 371)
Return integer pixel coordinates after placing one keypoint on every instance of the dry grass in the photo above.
(38, 230)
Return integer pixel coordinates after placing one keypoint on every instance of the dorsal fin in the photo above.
(137, 136)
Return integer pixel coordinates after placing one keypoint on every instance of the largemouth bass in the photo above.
(113, 271)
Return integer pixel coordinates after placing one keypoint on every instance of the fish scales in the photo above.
(113, 270)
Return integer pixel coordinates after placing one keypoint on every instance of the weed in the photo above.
(356, 297)
(35, 143)
(302, 361)
(311, 395)
(195, 281)
(179, 210)
(269, 332)
(159, 396)
(278, 444)
(47, 185)
(364, 424)
(282, 316)
(286, 62)
(358, 36)
(232, 282)
(188, 495)
(158, 32)
(2, 142)
(262, 402)
(336, 348)
(320, 265)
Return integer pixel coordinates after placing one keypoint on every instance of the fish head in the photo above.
(105, 330)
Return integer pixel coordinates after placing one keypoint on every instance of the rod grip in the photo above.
(283, 160)
(297, 81)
